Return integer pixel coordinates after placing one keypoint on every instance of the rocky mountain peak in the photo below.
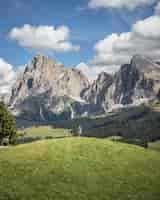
(46, 88)
(138, 58)
(145, 65)
(135, 82)
(95, 94)
(41, 62)
(103, 76)
(42, 75)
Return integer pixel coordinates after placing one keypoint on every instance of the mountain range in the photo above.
(46, 90)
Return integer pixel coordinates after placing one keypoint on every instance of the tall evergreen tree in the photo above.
(7, 125)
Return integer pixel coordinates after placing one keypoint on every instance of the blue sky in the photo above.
(87, 26)
(92, 35)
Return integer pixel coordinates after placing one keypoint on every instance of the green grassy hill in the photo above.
(79, 169)
(41, 132)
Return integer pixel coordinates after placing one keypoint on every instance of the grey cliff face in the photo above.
(46, 89)
(95, 93)
(137, 81)
(47, 81)
(94, 96)
(43, 74)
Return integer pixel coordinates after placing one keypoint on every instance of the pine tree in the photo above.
(7, 125)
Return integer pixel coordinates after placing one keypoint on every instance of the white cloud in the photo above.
(117, 49)
(148, 28)
(157, 9)
(43, 38)
(92, 72)
(7, 76)
(129, 4)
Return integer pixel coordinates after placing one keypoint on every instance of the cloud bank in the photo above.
(157, 9)
(7, 77)
(129, 4)
(117, 49)
(43, 38)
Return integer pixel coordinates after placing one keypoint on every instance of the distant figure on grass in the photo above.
(80, 130)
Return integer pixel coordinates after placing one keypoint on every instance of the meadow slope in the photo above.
(79, 169)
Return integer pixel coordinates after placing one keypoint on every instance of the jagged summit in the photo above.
(41, 61)
(144, 63)
(103, 76)
(95, 94)
(44, 77)
(43, 74)
(138, 81)
(46, 88)
(138, 57)
(42, 57)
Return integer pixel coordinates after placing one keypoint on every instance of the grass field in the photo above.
(79, 169)
(42, 132)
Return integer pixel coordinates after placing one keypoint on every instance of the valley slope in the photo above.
(79, 168)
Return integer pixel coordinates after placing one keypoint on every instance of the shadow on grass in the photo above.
(25, 140)
(134, 141)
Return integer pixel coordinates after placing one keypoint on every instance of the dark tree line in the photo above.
(7, 125)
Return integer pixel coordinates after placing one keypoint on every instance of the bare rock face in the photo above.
(47, 81)
(46, 89)
(95, 94)
(135, 82)
(43, 74)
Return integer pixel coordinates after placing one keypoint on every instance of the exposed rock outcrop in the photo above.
(51, 85)
(95, 94)
(46, 89)
(135, 82)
